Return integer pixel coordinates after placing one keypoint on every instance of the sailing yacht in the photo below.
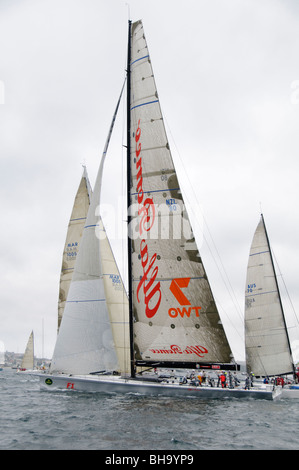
(267, 343)
(169, 319)
(28, 358)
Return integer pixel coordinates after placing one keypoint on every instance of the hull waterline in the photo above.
(290, 392)
(116, 384)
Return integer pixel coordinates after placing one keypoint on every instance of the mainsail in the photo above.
(266, 340)
(72, 242)
(94, 332)
(28, 358)
(174, 315)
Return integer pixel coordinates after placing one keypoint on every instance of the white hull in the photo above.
(116, 384)
(290, 392)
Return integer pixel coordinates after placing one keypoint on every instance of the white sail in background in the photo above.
(175, 315)
(266, 340)
(28, 358)
(96, 312)
(117, 303)
(73, 237)
(2, 354)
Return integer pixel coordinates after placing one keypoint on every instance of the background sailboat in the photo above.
(73, 237)
(28, 358)
(267, 344)
(2, 358)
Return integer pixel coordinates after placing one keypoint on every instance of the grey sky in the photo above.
(227, 73)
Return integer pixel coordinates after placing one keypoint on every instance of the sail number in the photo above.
(250, 287)
(72, 249)
(171, 203)
(116, 281)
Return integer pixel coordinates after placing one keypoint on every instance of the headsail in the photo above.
(175, 318)
(28, 358)
(73, 237)
(266, 339)
(96, 309)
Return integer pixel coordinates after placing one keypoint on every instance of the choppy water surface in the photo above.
(41, 420)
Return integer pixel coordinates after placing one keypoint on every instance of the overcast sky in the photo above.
(227, 73)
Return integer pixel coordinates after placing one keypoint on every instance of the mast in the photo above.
(129, 201)
(278, 292)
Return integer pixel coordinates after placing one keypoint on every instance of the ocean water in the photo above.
(31, 419)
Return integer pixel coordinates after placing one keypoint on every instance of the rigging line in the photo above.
(231, 292)
(280, 274)
(241, 336)
(235, 301)
(224, 281)
(262, 365)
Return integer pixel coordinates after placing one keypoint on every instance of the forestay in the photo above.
(175, 317)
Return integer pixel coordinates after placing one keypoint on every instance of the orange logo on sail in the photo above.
(176, 287)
